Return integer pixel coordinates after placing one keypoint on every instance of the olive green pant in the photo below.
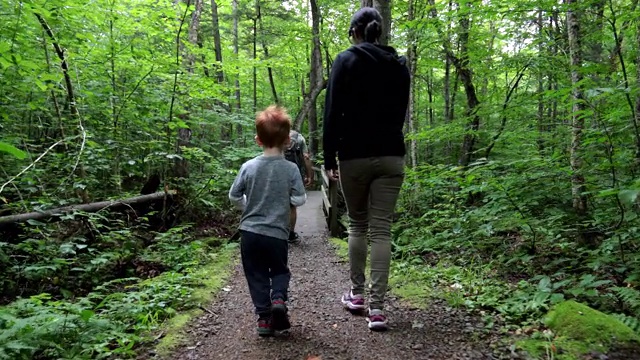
(371, 187)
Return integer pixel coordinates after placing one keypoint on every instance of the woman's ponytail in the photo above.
(366, 23)
(372, 31)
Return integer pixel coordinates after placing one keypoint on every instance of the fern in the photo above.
(630, 321)
(629, 296)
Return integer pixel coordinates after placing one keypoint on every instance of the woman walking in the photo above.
(366, 103)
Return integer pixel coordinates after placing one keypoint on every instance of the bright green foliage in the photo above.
(111, 320)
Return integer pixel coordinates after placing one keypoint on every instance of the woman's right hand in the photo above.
(333, 174)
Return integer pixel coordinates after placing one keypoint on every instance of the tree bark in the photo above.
(235, 16)
(411, 63)
(255, 57)
(226, 130)
(265, 49)
(575, 52)
(181, 166)
(637, 112)
(447, 104)
(466, 75)
(315, 77)
(540, 90)
(91, 207)
(194, 25)
(216, 42)
(309, 98)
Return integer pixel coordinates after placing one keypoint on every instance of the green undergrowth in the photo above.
(212, 277)
(341, 247)
(118, 316)
(501, 238)
(575, 330)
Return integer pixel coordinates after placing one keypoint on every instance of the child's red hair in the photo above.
(273, 125)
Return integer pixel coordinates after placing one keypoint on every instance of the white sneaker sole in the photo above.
(377, 325)
(349, 305)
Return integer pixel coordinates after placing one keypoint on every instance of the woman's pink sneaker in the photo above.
(353, 302)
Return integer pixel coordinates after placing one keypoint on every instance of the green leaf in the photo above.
(628, 197)
(66, 293)
(556, 298)
(544, 284)
(8, 148)
(86, 314)
(5, 63)
(41, 85)
(35, 222)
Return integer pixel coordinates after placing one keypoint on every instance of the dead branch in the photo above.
(91, 207)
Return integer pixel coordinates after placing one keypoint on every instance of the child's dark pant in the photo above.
(265, 260)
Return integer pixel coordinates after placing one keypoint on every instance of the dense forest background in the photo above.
(522, 132)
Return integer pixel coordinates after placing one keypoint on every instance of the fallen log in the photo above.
(91, 207)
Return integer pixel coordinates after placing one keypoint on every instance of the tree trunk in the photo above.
(315, 77)
(384, 7)
(265, 48)
(181, 167)
(272, 82)
(235, 16)
(577, 92)
(447, 104)
(411, 63)
(226, 130)
(540, 91)
(466, 76)
(430, 114)
(255, 57)
(216, 41)
(637, 112)
(309, 98)
(194, 25)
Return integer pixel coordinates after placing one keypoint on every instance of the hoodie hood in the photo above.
(378, 53)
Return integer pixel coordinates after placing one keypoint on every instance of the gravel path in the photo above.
(320, 326)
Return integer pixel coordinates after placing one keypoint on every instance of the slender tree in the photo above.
(577, 91)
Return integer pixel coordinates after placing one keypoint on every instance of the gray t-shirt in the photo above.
(265, 189)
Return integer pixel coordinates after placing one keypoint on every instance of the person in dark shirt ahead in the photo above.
(366, 102)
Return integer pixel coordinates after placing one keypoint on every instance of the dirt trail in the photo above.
(320, 326)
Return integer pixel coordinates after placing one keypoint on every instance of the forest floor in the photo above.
(321, 328)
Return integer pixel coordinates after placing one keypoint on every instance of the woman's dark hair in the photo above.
(367, 22)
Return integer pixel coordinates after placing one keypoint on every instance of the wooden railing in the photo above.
(330, 203)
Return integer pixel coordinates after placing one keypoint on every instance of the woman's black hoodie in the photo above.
(366, 103)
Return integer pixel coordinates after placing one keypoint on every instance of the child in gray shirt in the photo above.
(266, 188)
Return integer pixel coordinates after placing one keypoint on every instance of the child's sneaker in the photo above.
(264, 326)
(377, 320)
(294, 238)
(353, 302)
(279, 317)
